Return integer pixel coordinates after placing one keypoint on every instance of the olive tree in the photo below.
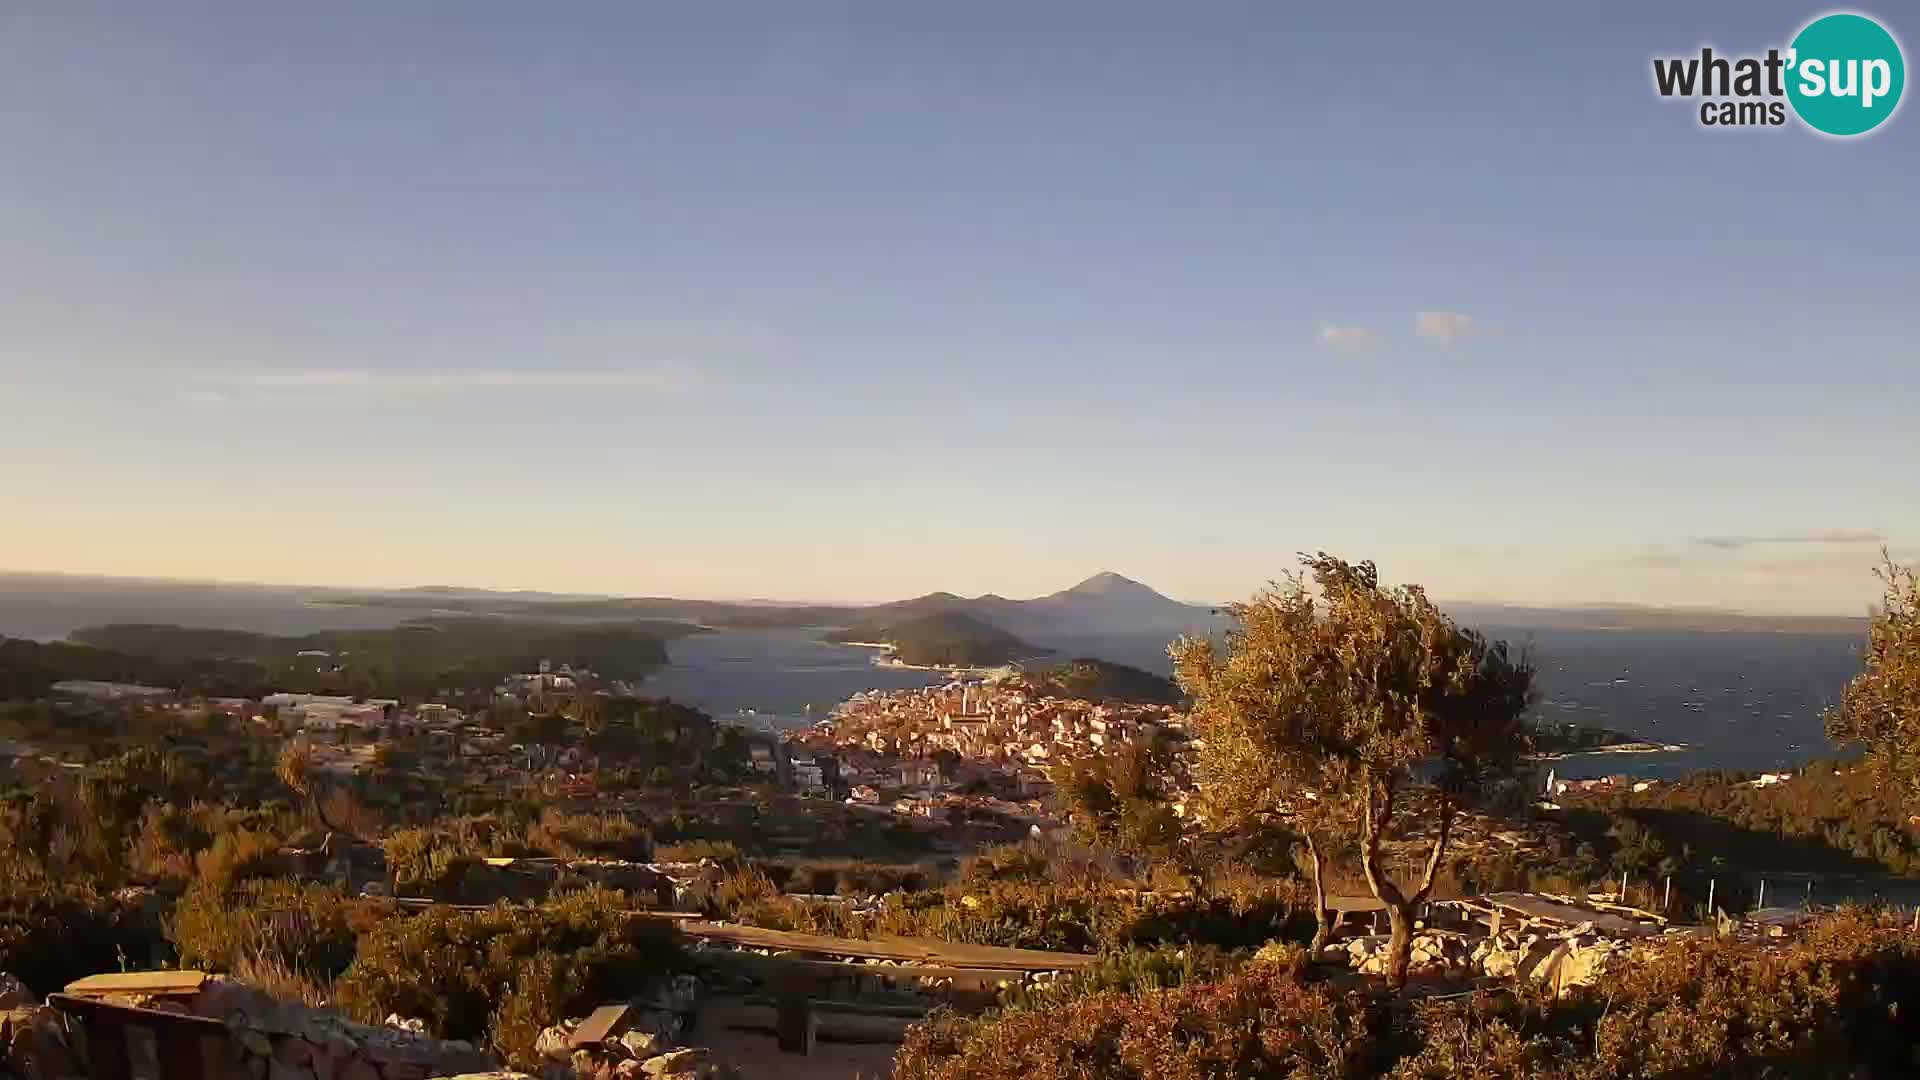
(1881, 707)
(1346, 707)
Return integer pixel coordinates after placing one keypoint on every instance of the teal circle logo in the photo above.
(1845, 74)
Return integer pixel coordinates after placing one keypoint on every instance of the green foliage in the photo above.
(428, 861)
(1354, 708)
(1070, 916)
(590, 836)
(307, 929)
(1837, 817)
(238, 856)
(1116, 799)
(1881, 708)
(1091, 679)
(56, 930)
(1258, 1023)
(1838, 1002)
(414, 660)
(942, 638)
(1160, 967)
(499, 975)
(720, 851)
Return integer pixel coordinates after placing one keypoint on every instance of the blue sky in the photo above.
(852, 301)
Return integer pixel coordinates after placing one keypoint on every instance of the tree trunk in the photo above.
(1399, 945)
(1322, 918)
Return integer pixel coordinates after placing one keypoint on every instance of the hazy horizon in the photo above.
(756, 300)
(799, 601)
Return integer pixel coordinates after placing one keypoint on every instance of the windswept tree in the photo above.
(1881, 708)
(337, 811)
(1117, 799)
(1347, 707)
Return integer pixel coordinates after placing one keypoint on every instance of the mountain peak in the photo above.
(1106, 581)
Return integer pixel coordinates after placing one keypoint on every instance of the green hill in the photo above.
(1093, 679)
(947, 638)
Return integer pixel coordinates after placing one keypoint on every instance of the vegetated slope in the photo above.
(412, 659)
(942, 638)
(1093, 679)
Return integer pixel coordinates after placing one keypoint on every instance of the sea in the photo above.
(1737, 700)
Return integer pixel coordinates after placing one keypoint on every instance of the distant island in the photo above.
(1552, 741)
(414, 660)
(942, 639)
(1101, 602)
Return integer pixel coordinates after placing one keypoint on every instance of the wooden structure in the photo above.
(600, 1025)
(905, 950)
(812, 964)
(124, 1042)
(143, 983)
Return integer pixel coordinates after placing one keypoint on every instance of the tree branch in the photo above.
(1437, 852)
(1384, 890)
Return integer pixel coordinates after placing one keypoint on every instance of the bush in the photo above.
(590, 836)
(55, 931)
(1261, 1022)
(428, 862)
(540, 965)
(238, 856)
(1086, 916)
(1842, 1001)
(720, 851)
(307, 929)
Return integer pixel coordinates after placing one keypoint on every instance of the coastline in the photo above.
(1615, 748)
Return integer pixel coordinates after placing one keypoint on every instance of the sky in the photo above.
(853, 301)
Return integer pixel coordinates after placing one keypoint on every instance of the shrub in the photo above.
(1842, 1001)
(540, 965)
(307, 929)
(55, 931)
(720, 851)
(1261, 1022)
(427, 862)
(238, 856)
(590, 836)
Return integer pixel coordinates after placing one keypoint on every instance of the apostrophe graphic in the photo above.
(1845, 74)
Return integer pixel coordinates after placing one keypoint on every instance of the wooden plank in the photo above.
(829, 1027)
(825, 970)
(1539, 907)
(152, 983)
(852, 1008)
(605, 1021)
(87, 1008)
(917, 950)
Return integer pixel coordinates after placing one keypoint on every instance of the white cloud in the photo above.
(1344, 336)
(1443, 325)
(201, 397)
(431, 381)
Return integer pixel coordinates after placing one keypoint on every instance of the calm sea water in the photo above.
(1741, 700)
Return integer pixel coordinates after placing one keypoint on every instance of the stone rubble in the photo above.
(644, 1047)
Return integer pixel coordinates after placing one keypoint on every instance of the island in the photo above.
(416, 659)
(1554, 741)
(942, 639)
(1091, 679)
